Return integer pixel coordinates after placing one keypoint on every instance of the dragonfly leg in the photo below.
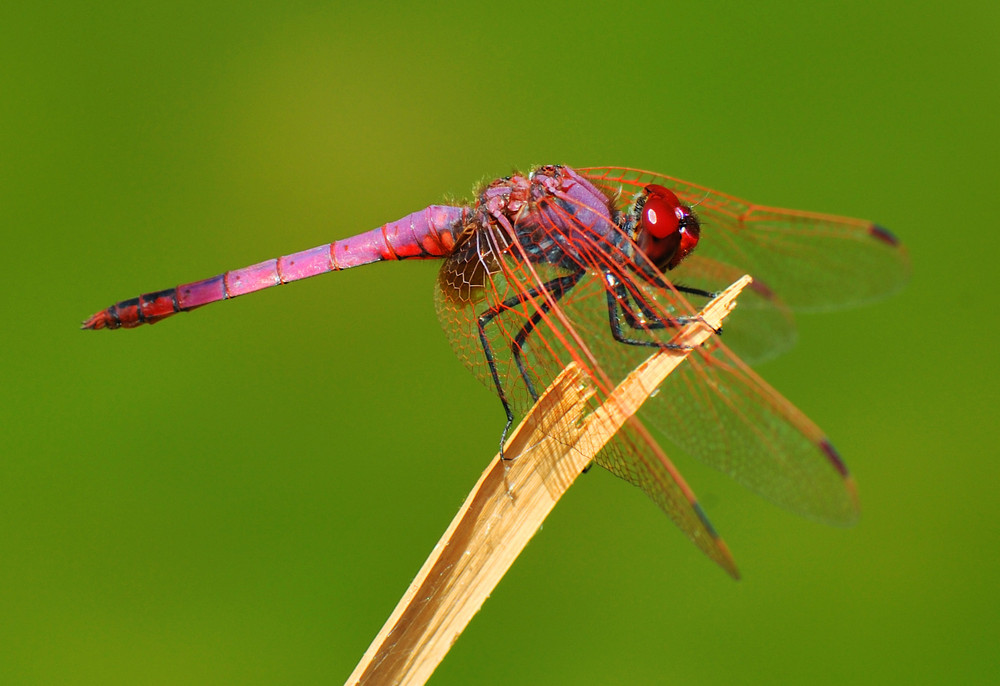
(651, 319)
(558, 288)
(482, 321)
(616, 299)
(701, 293)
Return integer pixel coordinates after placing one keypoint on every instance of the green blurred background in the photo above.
(242, 494)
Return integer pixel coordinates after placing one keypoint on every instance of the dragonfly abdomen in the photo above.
(427, 234)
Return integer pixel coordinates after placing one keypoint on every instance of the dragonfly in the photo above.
(601, 266)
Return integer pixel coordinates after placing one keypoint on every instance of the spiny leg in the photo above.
(481, 322)
(618, 297)
(563, 285)
(558, 287)
(648, 314)
(689, 290)
(701, 293)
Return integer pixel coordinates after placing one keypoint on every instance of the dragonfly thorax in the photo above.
(549, 214)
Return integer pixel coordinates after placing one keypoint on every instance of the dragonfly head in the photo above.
(665, 230)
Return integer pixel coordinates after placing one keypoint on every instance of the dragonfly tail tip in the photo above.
(98, 320)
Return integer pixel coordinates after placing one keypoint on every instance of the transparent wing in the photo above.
(811, 261)
(760, 439)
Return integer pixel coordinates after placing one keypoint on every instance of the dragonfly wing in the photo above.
(757, 437)
(812, 261)
(634, 456)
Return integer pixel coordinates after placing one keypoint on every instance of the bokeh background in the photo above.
(240, 495)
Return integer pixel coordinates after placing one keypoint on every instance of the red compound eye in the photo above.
(668, 231)
(662, 213)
